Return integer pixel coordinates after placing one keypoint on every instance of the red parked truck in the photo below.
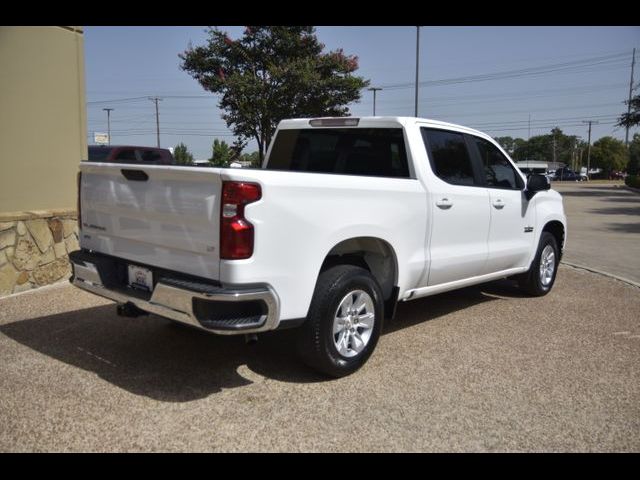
(130, 154)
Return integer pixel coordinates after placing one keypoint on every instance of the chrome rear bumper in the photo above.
(177, 303)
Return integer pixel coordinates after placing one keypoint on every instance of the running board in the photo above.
(467, 282)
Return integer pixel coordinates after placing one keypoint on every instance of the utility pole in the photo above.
(633, 63)
(417, 65)
(529, 134)
(589, 146)
(156, 99)
(108, 110)
(573, 160)
(374, 90)
(554, 147)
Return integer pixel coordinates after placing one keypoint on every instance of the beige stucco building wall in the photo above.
(43, 133)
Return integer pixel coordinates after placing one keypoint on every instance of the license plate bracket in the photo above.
(140, 278)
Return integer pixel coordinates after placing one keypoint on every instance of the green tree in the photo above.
(633, 167)
(182, 155)
(253, 157)
(609, 154)
(222, 154)
(632, 118)
(536, 148)
(519, 149)
(272, 73)
(507, 143)
(565, 148)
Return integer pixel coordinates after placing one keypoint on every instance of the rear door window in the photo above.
(449, 156)
(376, 152)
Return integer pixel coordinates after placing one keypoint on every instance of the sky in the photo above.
(494, 79)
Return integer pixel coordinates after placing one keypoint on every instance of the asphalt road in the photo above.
(482, 369)
(604, 227)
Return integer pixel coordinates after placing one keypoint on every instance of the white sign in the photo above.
(100, 138)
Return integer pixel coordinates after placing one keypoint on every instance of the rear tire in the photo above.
(344, 321)
(541, 276)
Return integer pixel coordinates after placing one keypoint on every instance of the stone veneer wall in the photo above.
(34, 248)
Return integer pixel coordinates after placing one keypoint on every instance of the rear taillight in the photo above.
(236, 233)
(79, 204)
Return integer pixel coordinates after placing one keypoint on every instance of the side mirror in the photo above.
(536, 183)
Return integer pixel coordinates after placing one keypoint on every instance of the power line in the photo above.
(486, 113)
(116, 100)
(516, 73)
(139, 99)
(546, 120)
(593, 61)
(437, 101)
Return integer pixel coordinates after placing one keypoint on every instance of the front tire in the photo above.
(540, 278)
(344, 321)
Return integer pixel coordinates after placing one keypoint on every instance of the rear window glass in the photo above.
(376, 152)
(99, 154)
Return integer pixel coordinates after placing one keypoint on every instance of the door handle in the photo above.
(135, 175)
(444, 203)
(498, 203)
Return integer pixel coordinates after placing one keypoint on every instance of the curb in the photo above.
(631, 189)
(51, 286)
(600, 272)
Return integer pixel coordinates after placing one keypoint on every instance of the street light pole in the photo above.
(108, 110)
(374, 90)
(417, 66)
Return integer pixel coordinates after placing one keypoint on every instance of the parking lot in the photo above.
(604, 227)
(481, 369)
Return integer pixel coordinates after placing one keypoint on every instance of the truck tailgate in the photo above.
(167, 217)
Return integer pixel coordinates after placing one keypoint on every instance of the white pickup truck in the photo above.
(346, 217)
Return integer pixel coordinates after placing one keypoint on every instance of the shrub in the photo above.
(633, 181)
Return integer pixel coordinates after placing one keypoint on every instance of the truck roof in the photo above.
(370, 121)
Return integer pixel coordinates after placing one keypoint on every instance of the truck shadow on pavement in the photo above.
(595, 191)
(624, 227)
(634, 211)
(153, 357)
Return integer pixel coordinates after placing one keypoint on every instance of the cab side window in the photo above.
(150, 156)
(499, 172)
(126, 155)
(449, 156)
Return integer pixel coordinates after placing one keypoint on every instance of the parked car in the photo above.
(130, 154)
(347, 217)
(566, 174)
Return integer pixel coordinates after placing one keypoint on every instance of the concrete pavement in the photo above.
(481, 369)
(604, 227)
